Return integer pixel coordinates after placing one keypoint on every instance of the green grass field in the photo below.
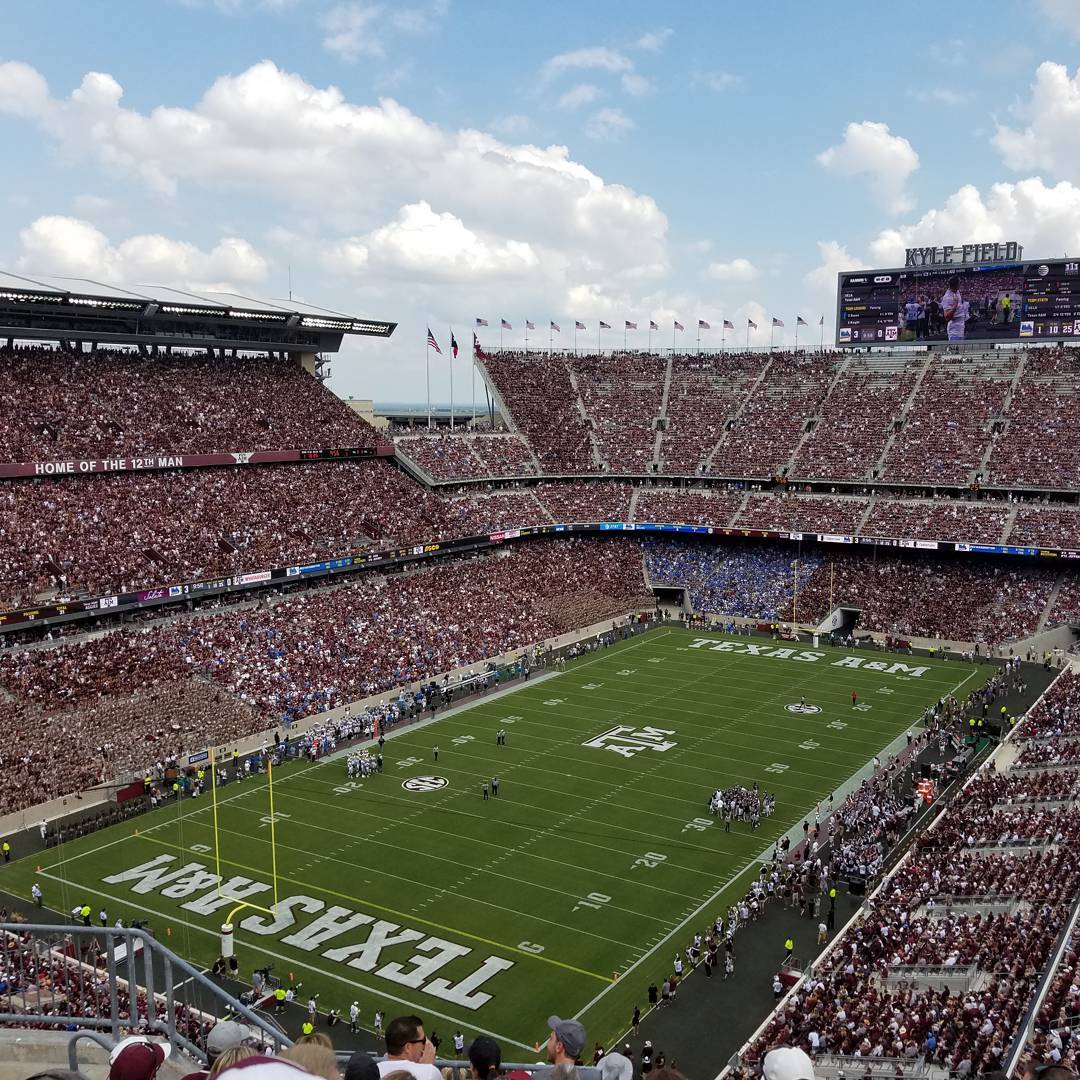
(594, 860)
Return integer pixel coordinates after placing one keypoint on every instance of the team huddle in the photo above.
(742, 804)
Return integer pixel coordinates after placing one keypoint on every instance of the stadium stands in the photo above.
(1040, 447)
(712, 507)
(468, 457)
(940, 519)
(856, 419)
(1047, 526)
(621, 395)
(138, 695)
(59, 404)
(943, 963)
(801, 513)
(946, 430)
(92, 534)
(705, 392)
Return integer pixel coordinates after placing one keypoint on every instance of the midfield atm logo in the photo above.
(628, 741)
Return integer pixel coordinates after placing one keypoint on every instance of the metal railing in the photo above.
(111, 981)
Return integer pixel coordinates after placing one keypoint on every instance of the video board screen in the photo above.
(980, 303)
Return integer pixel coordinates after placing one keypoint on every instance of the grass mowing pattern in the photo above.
(586, 865)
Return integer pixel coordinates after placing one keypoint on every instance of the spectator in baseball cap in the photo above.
(566, 1041)
(224, 1035)
(787, 1063)
(616, 1066)
(137, 1058)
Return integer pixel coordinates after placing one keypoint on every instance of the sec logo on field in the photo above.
(808, 710)
(425, 783)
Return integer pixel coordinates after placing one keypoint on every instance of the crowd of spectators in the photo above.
(747, 580)
(103, 707)
(938, 519)
(946, 429)
(468, 457)
(584, 501)
(120, 531)
(1040, 446)
(1046, 526)
(714, 506)
(801, 513)
(875, 994)
(772, 420)
(1066, 608)
(58, 405)
(53, 979)
(537, 391)
(855, 421)
(1056, 1034)
(704, 393)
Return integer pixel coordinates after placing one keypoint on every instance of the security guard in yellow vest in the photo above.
(6, 849)
(279, 999)
(84, 914)
(308, 1028)
(789, 948)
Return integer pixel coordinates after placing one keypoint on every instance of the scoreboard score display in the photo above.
(978, 302)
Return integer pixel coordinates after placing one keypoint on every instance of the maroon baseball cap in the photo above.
(137, 1058)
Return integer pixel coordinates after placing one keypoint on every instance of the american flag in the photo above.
(703, 325)
(505, 325)
(481, 322)
(800, 321)
(529, 325)
(751, 324)
(604, 325)
(432, 343)
(578, 325)
(653, 326)
(728, 325)
(679, 325)
(555, 327)
(630, 325)
(777, 322)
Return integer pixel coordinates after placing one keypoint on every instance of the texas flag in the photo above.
(453, 344)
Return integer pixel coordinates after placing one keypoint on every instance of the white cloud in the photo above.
(735, 270)
(653, 40)
(870, 149)
(952, 53)
(1050, 139)
(720, 80)
(424, 245)
(835, 258)
(597, 57)
(1046, 218)
(74, 248)
(350, 31)
(582, 94)
(372, 189)
(510, 124)
(636, 85)
(1064, 13)
(608, 124)
(943, 95)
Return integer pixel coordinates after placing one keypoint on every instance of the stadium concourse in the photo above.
(927, 449)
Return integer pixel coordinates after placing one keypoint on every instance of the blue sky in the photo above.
(434, 161)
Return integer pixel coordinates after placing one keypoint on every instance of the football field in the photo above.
(568, 892)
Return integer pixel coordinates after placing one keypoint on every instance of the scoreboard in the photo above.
(972, 302)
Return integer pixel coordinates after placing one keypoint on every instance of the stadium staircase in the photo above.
(1051, 600)
(661, 429)
(1009, 522)
(866, 514)
(879, 465)
(590, 423)
(1004, 420)
(734, 418)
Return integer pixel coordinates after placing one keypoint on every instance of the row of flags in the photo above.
(628, 325)
(433, 344)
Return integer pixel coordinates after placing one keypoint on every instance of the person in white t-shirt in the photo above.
(409, 1049)
(954, 309)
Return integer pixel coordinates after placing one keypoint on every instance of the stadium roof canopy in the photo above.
(50, 308)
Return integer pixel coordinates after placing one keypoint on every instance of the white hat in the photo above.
(123, 1044)
(787, 1063)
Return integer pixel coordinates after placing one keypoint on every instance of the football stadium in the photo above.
(694, 692)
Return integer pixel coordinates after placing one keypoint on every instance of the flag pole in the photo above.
(427, 374)
(473, 414)
(451, 359)
(598, 336)
(723, 334)
(821, 340)
(500, 333)
(650, 336)
(551, 336)
(699, 337)
(772, 332)
(796, 333)
(526, 336)
(624, 336)
(747, 335)
(575, 337)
